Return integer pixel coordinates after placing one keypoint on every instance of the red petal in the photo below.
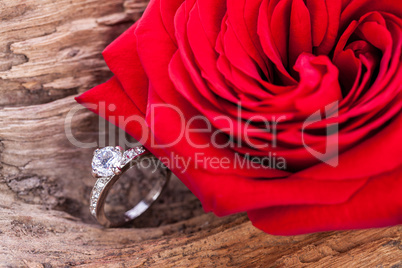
(334, 11)
(280, 28)
(377, 204)
(299, 31)
(319, 20)
(122, 59)
(111, 102)
(374, 156)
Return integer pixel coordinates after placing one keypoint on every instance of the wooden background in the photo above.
(50, 51)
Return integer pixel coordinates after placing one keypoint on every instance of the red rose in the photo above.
(229, 67)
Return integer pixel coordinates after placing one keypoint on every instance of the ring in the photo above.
(108, 165)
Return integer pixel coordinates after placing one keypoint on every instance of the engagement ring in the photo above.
(108, 165)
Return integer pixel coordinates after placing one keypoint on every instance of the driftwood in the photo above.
(49, 52)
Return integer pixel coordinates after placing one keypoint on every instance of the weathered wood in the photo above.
(56, 239)
(49, 52)
(52, 49)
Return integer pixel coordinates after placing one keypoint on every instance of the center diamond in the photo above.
(105, 159)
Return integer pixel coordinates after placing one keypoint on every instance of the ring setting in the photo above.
(110, 160)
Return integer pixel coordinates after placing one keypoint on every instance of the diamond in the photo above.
(128, 156)
(96, 194)
(94, 198)
(139, 150)
(105, 160)
(132, 153)
(100, 185)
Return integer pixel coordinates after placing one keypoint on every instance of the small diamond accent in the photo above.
(139, 150)
(92, 208)
(131, 153)
(98, 188)
(100, 185)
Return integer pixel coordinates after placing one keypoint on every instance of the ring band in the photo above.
(108, 165)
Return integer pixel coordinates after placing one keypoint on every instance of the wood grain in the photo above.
(50, 51)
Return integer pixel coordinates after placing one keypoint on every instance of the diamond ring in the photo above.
(108, 165)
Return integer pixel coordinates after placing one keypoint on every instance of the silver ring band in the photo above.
(108, 165)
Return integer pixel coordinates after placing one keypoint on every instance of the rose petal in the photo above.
(243, 19)
(357, 8)
(111, 102)
(361, 161)
(368, 208)
(268, 44)
(122, 59)
(155, 57)
(319, 20)
(299, 31)
(334, 12)
(279, 27)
